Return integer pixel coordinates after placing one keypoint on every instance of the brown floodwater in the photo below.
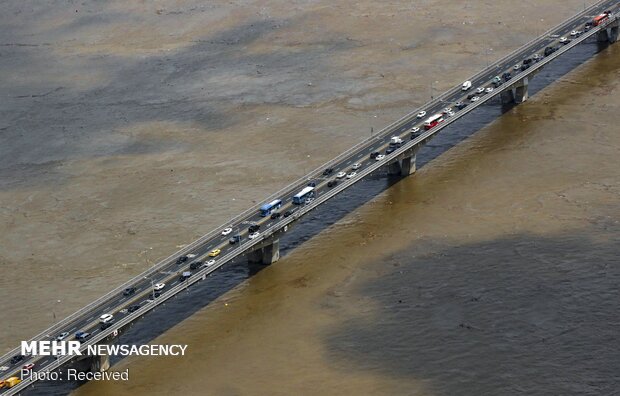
(131, 129)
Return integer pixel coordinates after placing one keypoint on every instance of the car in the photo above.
(159, 286)
(497, 81)
(537, 57)
(309, 200)
(527, 61)
(450, 114)
(489, 90)
(253, 235)
(506, 76)
(340, 175)
(573, 33)
(104, 326)
(415, 129)
(388, 151)
(82, 335)
(215, 253)
(332, 183)
(466, 85)
(525, 67)
(275, 215)
(154, 295)
(287, 213)
(587, 26)
(227, 231)
(480, 90)
(471, 96)
(253, 228)
(16, 359)
(374, 154)
(351, 175)
(195, 265)
(328, 171)
(181, 259)
(380, 157)
(312, 184)
(105, 318)
(447, 110)
(356, 166)
(517, 67)
(210, 263)
(28, 366)
(549, 50)
(191, 255)
(62, 336)
(564, 40)
(184, 276)
(421, 114)
(133, 308)
(475, 99)
(129, 291)
(234, 239)
(460, 105)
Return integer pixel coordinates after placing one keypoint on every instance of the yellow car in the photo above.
(214, 252)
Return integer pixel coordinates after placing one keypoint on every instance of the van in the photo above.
(106, 318)
(466, 85)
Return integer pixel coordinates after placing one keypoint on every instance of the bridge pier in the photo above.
(266, 254)
(609, 34)
(93, 364)
(518, 93)
(404, 166)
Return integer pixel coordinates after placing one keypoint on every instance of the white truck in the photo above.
(396, 141)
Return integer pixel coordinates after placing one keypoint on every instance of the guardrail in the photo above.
(383, 132)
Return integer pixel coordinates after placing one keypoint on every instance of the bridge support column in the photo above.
(266, 254)
(404, 166)
(609, 35)
(521, 91)
(507, 96)
(92, 364)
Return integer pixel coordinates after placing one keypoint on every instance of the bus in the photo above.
(432, 121)
(266, 209)
(301, 196)
(600, 18)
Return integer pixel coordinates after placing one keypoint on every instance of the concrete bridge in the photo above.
(394, 149)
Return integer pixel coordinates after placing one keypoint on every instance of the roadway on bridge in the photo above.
(169, 273)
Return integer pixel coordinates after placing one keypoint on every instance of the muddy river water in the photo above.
(130, 129)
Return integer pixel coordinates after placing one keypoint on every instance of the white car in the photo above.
(227, 231)
(210, 263)
(563, 40)
(517, 67)
(309, 200)
(356, 166)
(380, 157)
(447, 110)
(466, 85)
(351, 175)
(105, 318)
(158, 286)
(340, 175)
(415, 130)
(480, 90)
(489, 90)
(475, 99)
(253, 235)
(191, 255)
(450, 113)
(421, 114)
(574, 33)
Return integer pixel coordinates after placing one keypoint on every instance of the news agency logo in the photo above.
(72, 348)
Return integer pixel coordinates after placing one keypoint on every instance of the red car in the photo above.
(28, 366)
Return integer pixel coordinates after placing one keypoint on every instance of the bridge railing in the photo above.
(187, 249)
